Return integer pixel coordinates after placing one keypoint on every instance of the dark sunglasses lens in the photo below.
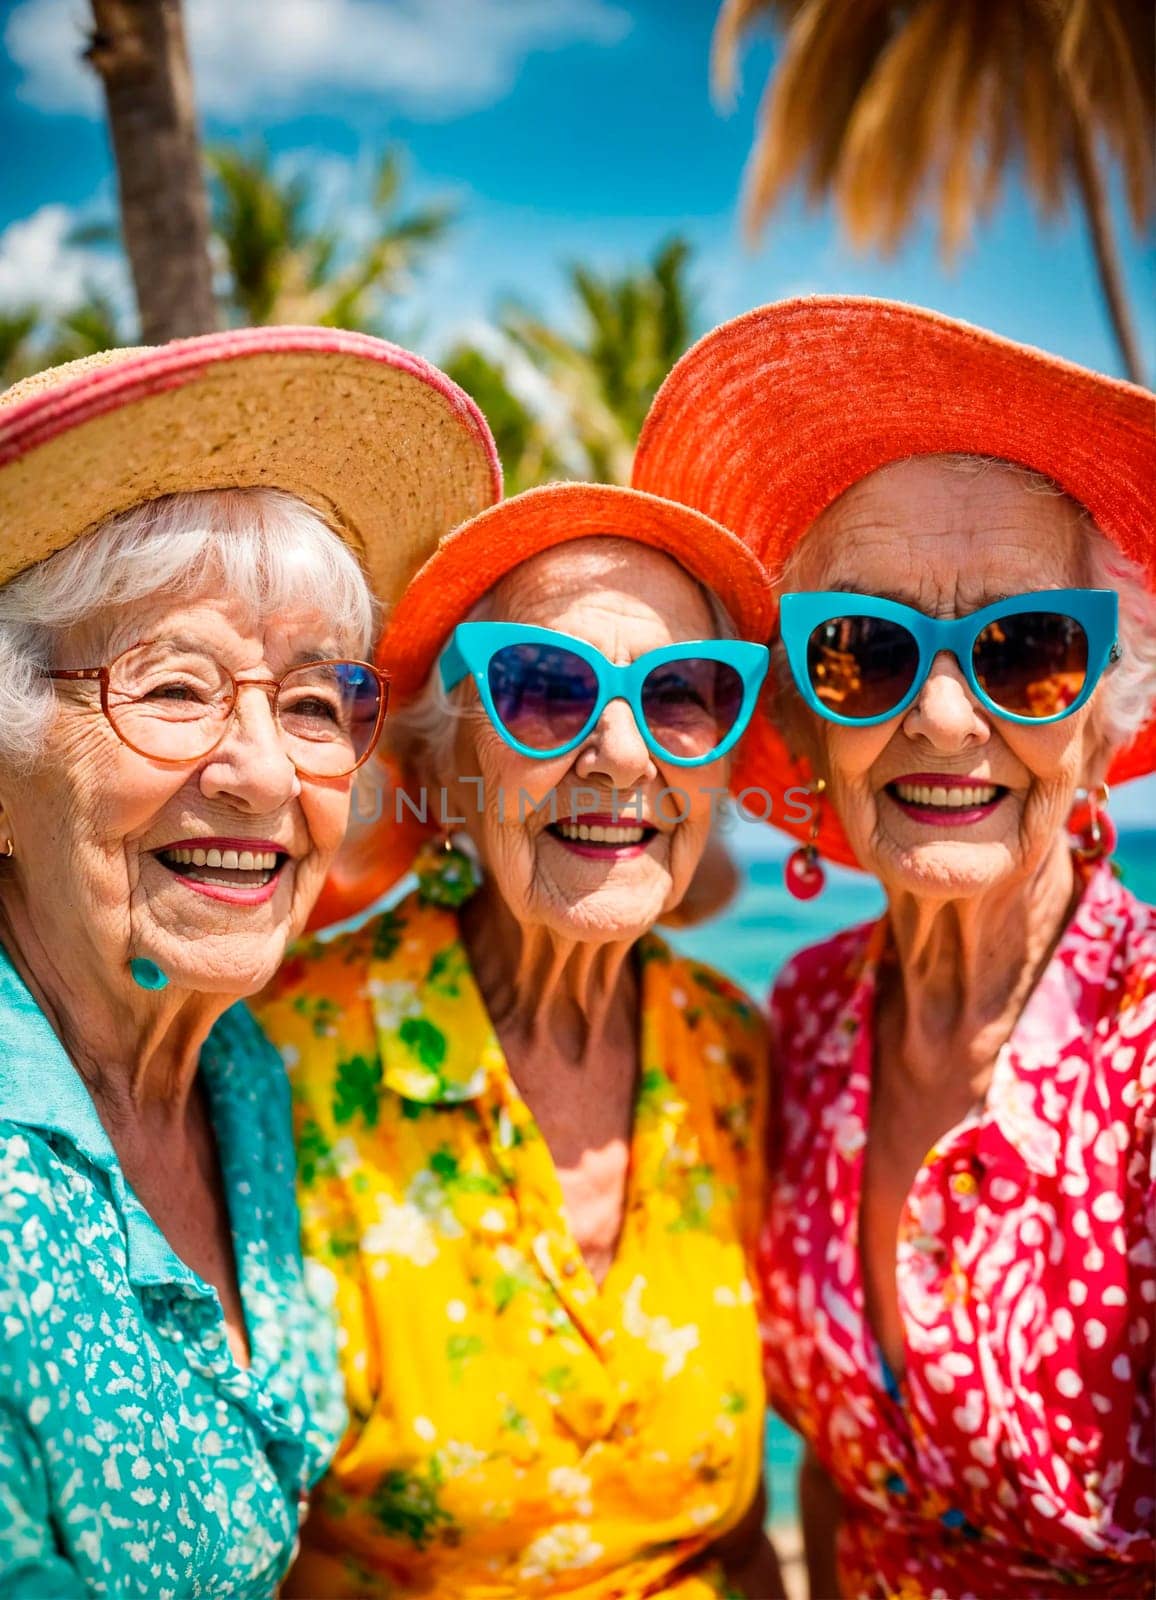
(691, 705)
(861, 666)
(543, 696)
(1034, 664)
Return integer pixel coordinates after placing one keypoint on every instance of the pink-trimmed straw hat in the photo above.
(385, 447)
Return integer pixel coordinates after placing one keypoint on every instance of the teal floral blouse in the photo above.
(137, 1458)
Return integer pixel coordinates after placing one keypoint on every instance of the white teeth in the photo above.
(953, 799)
(597, 833)
(243, 860)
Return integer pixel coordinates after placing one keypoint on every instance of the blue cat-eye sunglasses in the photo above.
(544, 691)
(858, 659)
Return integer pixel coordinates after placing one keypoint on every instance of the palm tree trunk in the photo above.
(138, 51)
(1095, 200)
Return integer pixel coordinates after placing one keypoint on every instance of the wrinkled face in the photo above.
(931, 536)
(108, 841)
(625, 600)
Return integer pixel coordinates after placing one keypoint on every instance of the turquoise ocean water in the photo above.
(764, 927)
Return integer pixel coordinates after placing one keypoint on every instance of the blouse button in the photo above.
(569, 1267)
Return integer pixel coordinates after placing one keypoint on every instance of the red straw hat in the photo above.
(466, 565)
(771, 417)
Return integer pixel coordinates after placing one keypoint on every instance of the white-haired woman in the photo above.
(960, 1248)
(183, 702)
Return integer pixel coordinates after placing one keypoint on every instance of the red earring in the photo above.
(1092, 828)
(803, 874)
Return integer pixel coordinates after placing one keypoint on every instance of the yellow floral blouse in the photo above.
(517, 1430)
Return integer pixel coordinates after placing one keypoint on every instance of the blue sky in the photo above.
(561, 129)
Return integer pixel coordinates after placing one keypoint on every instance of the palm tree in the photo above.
(17, 343)
(876, 101)
(138, 51)
(632, 328)
(287, 263)
(30, 341)
(529, 449)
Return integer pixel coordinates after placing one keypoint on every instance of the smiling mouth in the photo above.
(946, 802)
(224, 869)
(603, 838)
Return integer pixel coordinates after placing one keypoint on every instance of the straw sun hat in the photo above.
(380, 443)
(469, 561)
(384, 446)
(769, 418)
(464, 567)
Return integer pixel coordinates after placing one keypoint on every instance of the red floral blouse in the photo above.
(1015, 1457)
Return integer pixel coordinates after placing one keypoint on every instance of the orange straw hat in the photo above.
(467, 564)
(769, 418)
(470, 560)
(380, 443)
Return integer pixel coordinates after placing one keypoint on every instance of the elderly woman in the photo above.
(960, 1248)
(183, 707)
(530, 1135)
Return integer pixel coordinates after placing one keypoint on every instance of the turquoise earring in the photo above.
(146, 974)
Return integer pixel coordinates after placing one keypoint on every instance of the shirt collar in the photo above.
(437, 1042)
(40, 1088)
(435, 1037)
(1027, 1102)
(1012, 1119)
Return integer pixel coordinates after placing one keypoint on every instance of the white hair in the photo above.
(262, 546)
(1127, 695)
(421, 734)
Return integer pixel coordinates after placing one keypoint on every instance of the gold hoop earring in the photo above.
(11, 850)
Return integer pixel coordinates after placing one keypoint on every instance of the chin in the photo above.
(219, 963)
(236, 978)
(604, 915)
(945, 868)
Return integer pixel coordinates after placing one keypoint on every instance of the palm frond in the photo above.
(16, 330)
(885, 104)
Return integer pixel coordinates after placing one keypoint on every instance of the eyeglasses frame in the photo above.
(271, 686)
(473, 645)
(1096, 610)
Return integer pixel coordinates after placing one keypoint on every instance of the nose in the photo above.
(616, 751)
(251, 766)
(944, 713)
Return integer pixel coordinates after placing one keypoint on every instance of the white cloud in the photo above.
(429, 57)
(39, 265)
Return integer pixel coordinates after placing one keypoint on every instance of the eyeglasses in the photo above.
(176, 705)
(1036, 658)
(544, 691)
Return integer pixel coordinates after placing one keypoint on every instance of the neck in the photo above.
(965, 968)
(550, 994)
(137, 1051)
